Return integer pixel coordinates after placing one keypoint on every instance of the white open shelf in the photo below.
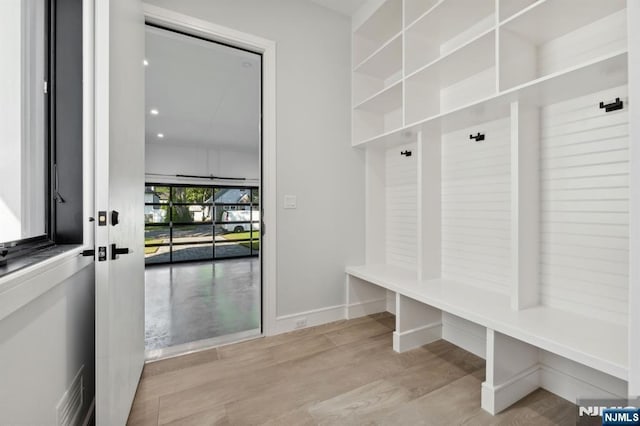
(385, 61)
(563, 333)
(386, 100)
(380, 70)
(459, 78)
(378, 114)
(552, 35)
(549, 19)
(377, 30)
(446, 26)
(601, 73)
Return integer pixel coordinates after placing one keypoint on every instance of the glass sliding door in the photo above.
(185, 223)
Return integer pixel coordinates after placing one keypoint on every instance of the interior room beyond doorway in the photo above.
(202, 197)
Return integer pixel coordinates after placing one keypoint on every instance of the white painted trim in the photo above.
(362, 309)
(414, 338)
(564, 385)
(496, 398)
(22, 287)
(570, 387)
(633, 14)
(195, 26)
(315, 317)
(88, 122)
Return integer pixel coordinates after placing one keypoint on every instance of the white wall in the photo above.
(200, 160)
(42, 347)
(314, 157)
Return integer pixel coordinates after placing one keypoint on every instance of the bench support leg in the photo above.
(364, 298)
(417, 324)
(513, 372)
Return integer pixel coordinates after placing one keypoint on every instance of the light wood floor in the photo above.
(343, 373)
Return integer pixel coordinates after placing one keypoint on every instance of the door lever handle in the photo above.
(115, 251)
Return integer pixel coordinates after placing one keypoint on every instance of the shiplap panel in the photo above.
(401, 207)
(586, 263)
(597, 39)
(587, 182)
(579, 241)
(584, 166)
(587, 253)
(476, 206)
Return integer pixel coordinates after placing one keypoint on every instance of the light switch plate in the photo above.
(290, 202)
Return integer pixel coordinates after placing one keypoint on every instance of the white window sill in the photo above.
(27, 284)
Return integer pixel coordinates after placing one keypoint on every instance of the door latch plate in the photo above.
(102, 253)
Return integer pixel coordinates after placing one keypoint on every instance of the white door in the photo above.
(119, 186)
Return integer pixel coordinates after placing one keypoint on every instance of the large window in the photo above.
(24, 121)
(189, 223)
(41, 128)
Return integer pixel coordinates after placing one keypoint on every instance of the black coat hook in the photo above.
(406, 153)
(613, 106)
(479, 137)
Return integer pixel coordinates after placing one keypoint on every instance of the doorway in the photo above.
(202, 197)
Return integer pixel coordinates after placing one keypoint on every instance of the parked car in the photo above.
(235, 216)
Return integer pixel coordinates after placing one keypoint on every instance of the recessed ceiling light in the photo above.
(246, 64)
(154, 112)
(160, 135)
(146, 63)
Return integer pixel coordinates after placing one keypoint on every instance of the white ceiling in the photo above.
(205, 93)
(346, 7)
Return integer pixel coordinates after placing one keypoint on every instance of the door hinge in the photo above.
(46, 87)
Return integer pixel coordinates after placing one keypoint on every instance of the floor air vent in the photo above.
(70, 404)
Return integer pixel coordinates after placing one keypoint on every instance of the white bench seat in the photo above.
(588, 341)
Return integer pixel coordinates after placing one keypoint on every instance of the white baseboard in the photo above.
(572, 388)
(565, 385)
(496, 398)
(579, 381)
(287, 323)
(466, 335)
(361, 309)
(417, 337)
